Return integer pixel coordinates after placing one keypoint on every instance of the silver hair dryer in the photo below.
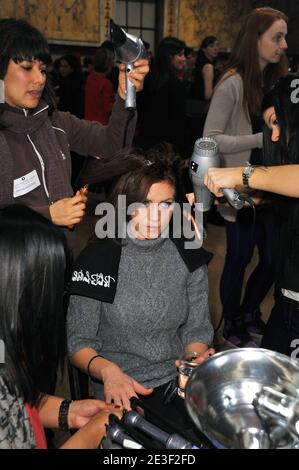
(128, 49)
(205, 155)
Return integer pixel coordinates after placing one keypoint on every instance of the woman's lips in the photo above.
(35, 94)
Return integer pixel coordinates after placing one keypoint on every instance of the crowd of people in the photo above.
(134, 301)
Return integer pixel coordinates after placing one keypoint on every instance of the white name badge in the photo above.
(25, 184)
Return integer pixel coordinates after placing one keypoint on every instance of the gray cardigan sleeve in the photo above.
(83, 320)
(225, 110)
(92, 138)
(198, 326)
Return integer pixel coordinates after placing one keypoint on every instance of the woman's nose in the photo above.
(154, 212)
(39, 77)
(284, 44)
(275, 134)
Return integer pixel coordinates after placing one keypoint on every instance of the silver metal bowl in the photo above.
(221, 391)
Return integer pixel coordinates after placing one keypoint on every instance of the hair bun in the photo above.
(163, 155)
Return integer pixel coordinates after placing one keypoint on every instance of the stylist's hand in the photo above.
(217, 178)
(69, 211)
(137, 76)
(201, 358)
(119, 387)
(81, 411)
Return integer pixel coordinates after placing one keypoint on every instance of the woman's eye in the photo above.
(275, 122)
(27, 67)
(146, 203)
(165, 205)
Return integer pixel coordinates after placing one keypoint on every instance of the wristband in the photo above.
(63, 415)
(90, 361)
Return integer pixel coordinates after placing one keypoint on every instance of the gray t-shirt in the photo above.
(159, 308)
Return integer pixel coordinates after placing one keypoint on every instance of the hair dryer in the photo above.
(128, 49)
(205, 155)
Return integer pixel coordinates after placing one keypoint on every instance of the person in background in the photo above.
(70, 86)
(161, 105)
(99, 93)
(113, 75)
(205, 76)
(281, 114)
(189, 69)
(32, 328)
(257, 60)
(88, 67)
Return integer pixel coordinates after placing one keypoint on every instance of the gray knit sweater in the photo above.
(159, 308)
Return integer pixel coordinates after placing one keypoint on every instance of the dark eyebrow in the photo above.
(170, 199)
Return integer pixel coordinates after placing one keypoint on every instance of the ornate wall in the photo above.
(171, 18)
(86, 21)
(200, 18)
(77, 21)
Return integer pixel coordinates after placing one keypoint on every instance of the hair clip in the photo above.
(148, 163)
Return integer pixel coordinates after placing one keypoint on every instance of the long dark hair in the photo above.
(162, 69)
(207, 41)
(284, 97)
(21, 41)
(244, 58)
(32, 260)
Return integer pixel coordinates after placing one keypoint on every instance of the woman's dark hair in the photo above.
(32, 260)
(208, 41)
(73, 62)
(284, 97)
(162, 69)
(201, 57)
(142, 170)
(133, 171)
(21, 41)
(103, 60)
(244, 58)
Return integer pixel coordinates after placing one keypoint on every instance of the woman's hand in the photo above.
(191, 198)
(136, 76)
(217, 178)
(69, 211)
(81, 411)
(91, 435)
(202, 356)
(119, 387)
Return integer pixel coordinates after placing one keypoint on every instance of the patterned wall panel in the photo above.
(200, 18)
(107, 9)
(171, 9)
(62, 20)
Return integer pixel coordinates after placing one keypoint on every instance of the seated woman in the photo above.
(281, 114)
(147, 301)
(32, 257)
